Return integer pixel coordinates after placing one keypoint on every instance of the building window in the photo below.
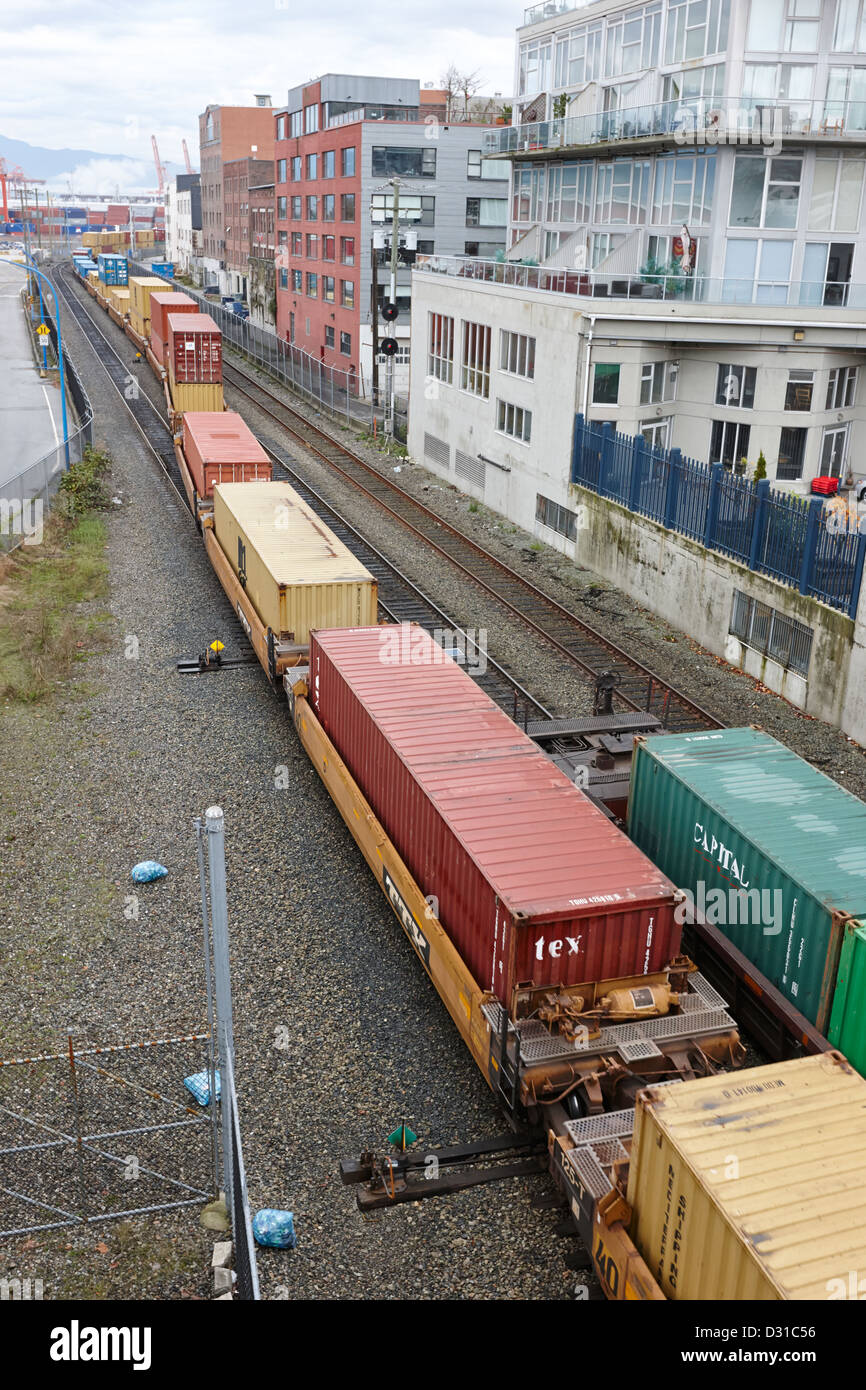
(841, 388)
(281, 208)
(329, 335)
(312, 285)
(850, 31)
(281, 127)
(798, 393)
(771, 633)
(328, 203)
(296, 209)
(282, 239)
(837, 188)
(735, 386)
(621, 191)
(483, 250)
(475, 371)
(312, 165)
(765, 192)
(517, 354)
(328, 164)
(296, 168)
(297, 282)
(478, 168)
(605, 384)
(556, 517)
(346, 344)
(535, 66)
(578, 55)
(792, 448)
(413, 162)
(633, 40)
(328, 288)
(729, 442)
(657, 433)
(658, 382)
(284, 279)
(347, 250)
(329, 248)
(787, 25)
(695, 29)
(834, 447)
(570, 192)
(347, 207)
(527, 193)
(347, 294)
(312, 247)
(440, 356)
(311, 119)
(514, 421)
(312, 207)
(281, 171)
(347, 162)
(683, 189)
(296, 124)
(297, 243)
(486, 212)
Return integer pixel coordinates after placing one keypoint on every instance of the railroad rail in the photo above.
(637, 687)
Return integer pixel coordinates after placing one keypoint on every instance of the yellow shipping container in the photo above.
(141, 287)
(90, 238)
(119, 296)
(298, 575)
(93, 277)
(196, 395)
(750, 1185)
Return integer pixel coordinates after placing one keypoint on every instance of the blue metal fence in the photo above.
(777, 533)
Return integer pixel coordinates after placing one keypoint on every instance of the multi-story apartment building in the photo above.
(339, 142)
(227, 133)
(687, 183)
(239, 175)
(183, 220)
(263, 246)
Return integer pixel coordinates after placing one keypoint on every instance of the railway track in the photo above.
(637, 688)
(400, 600)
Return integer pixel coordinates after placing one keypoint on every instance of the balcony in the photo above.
(680, 289)
(549, 10)
(685, 123)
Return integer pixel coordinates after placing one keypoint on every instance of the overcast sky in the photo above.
(104, 76)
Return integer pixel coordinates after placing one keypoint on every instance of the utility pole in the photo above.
(374, 268)
(395, 254)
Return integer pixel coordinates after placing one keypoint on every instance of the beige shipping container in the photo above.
(118, 296)
(298, 575)
(750, 1185)
(141, 287)
(196, 395)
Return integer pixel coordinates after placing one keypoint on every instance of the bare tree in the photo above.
(457, 84)
(450, 82)
(470, 84)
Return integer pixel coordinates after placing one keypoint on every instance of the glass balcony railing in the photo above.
(691, 122)
(549, 10)
(694, 289)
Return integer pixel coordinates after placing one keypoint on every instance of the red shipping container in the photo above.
(161, 305)
(220, 448)
(534, 884)
(195, 350)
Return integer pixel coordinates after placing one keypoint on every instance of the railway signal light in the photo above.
(389, 346)
(390, 312)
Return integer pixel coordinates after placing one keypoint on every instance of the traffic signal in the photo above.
(389, 346)
(390, 312)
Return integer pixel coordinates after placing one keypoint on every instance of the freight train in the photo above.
(553, 939)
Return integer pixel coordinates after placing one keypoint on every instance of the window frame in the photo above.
(747, 377)
(657, 392)
(599, 375)
(440, 347)
(519, 347)
(507, 414)
(476, 346)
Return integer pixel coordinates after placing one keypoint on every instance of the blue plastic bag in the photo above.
(199, 1086)
(275, 1229)
(147, 871)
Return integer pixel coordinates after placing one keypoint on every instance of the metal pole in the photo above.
(374, 308)
(211, 1067)
(395, 252)
(216, 853)
(79, 1142)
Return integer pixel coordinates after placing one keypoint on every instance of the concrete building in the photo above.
(183, 221)
(339, 141)
(262, 296)
(227, 133)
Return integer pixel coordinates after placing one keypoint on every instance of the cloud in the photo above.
(108, 177)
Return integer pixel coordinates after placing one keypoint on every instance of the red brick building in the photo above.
(227, 134)
(239, 175)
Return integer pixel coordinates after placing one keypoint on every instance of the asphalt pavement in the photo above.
(30, 418)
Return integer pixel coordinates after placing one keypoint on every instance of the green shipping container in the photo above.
(848, 1019)
(772, 851)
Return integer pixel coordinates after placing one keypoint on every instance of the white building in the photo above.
(687, 175)
(183, 234)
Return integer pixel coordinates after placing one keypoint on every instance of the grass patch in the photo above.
(42, 633)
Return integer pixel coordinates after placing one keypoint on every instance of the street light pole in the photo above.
(395, 254)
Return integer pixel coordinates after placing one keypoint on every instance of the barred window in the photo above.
(517, 354)
(556, 517)
(514, 420)
(475, 373)
(771, 633)
(440, 357)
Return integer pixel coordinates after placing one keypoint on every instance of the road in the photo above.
(30, 420)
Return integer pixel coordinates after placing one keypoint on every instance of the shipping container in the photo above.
(750, 1186)
(847, 1029)
(163, 268)
(119, 299)
(196, 395)
(734, 811)
(113, 270)
(195, 350)
(161, 305)
(534, 885)
(222, 449)
(141, 287)
(294, 570)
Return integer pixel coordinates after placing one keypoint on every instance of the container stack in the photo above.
(141, 287)
(195, 362)
(113, 270)
(219, 447)
(162, 304)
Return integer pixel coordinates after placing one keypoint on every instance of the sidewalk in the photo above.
(30, 424)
